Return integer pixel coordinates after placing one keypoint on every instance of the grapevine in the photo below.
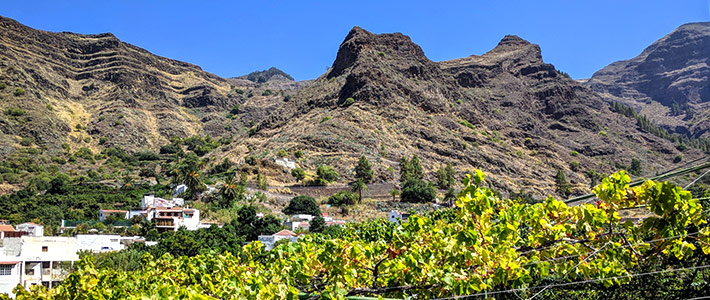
(491, 243)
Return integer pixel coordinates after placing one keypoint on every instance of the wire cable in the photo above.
(575, 282)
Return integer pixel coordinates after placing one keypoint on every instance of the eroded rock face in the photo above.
(506, 112)
(110, 88)
(673, 72)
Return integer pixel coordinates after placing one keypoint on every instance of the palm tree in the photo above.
(229, 192)
(358, 187)
(394, 193)
(193, 181)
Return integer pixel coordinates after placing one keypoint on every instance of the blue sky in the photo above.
(233, 38)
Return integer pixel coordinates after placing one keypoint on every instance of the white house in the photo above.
(395, 216)
(152, 201)
(30, 260)
(302, 217)
(32, 228)
(270, 240)
(171, 219)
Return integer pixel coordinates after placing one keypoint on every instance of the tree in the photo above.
(445, 177)
(317, 224)
(363, 170)
(194, 184)
(298, 173)
(450, 197)
(563, 187)
(358, 187)
(326, 174)
(418, 191)
(231, 191)
(394, 193)
(410, 168)
(343, 198)
(416, 167)
(635, 167)
(302, 205)
(261, 182)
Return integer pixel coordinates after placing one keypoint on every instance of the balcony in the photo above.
(164, 222)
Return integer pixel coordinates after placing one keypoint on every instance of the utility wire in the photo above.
(575, 282)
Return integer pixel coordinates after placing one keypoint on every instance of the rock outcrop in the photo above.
(669, 81)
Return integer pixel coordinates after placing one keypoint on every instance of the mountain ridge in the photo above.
(669, 81)
(505, 111)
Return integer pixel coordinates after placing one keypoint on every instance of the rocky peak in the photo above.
(362, 46)
(512, 46)
(673, 72)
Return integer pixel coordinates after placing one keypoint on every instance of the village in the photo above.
(28, 257)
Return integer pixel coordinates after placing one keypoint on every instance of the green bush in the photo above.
(418, 191)
(325, 175)
(343, 198)
(302, 205)
(467, 124)
(146, 156)
(281, 153)
(11, 178)
(27, 141)
(2, 85)
(15, 112)
(574, 165)
(103, 140)
(19, 92)
(349, 101)
(267, 93)
(326, 118)
(236, 109)
(59, 160)
(84, 153)
(298, 153)
(298, 173)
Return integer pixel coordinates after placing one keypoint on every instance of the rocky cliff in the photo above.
(669, 81)
(506, 112)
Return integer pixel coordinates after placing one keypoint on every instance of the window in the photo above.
(6, 270)
(45, 248)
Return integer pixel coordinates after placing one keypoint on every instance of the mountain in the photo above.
(668, 82)
(272, 74)
(95, 90)
(506, 112)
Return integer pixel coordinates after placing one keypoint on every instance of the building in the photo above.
(31, 260)
(104, 242)
(270, 240)
(152, 201)
(32, 229)
(6, 230)
(105, 213)
(302, 217)
(395, 216)
(171, 219)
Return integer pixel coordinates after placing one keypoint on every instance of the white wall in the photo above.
(58, 248)
(9, 282)
(98, 242)
(33, 229)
